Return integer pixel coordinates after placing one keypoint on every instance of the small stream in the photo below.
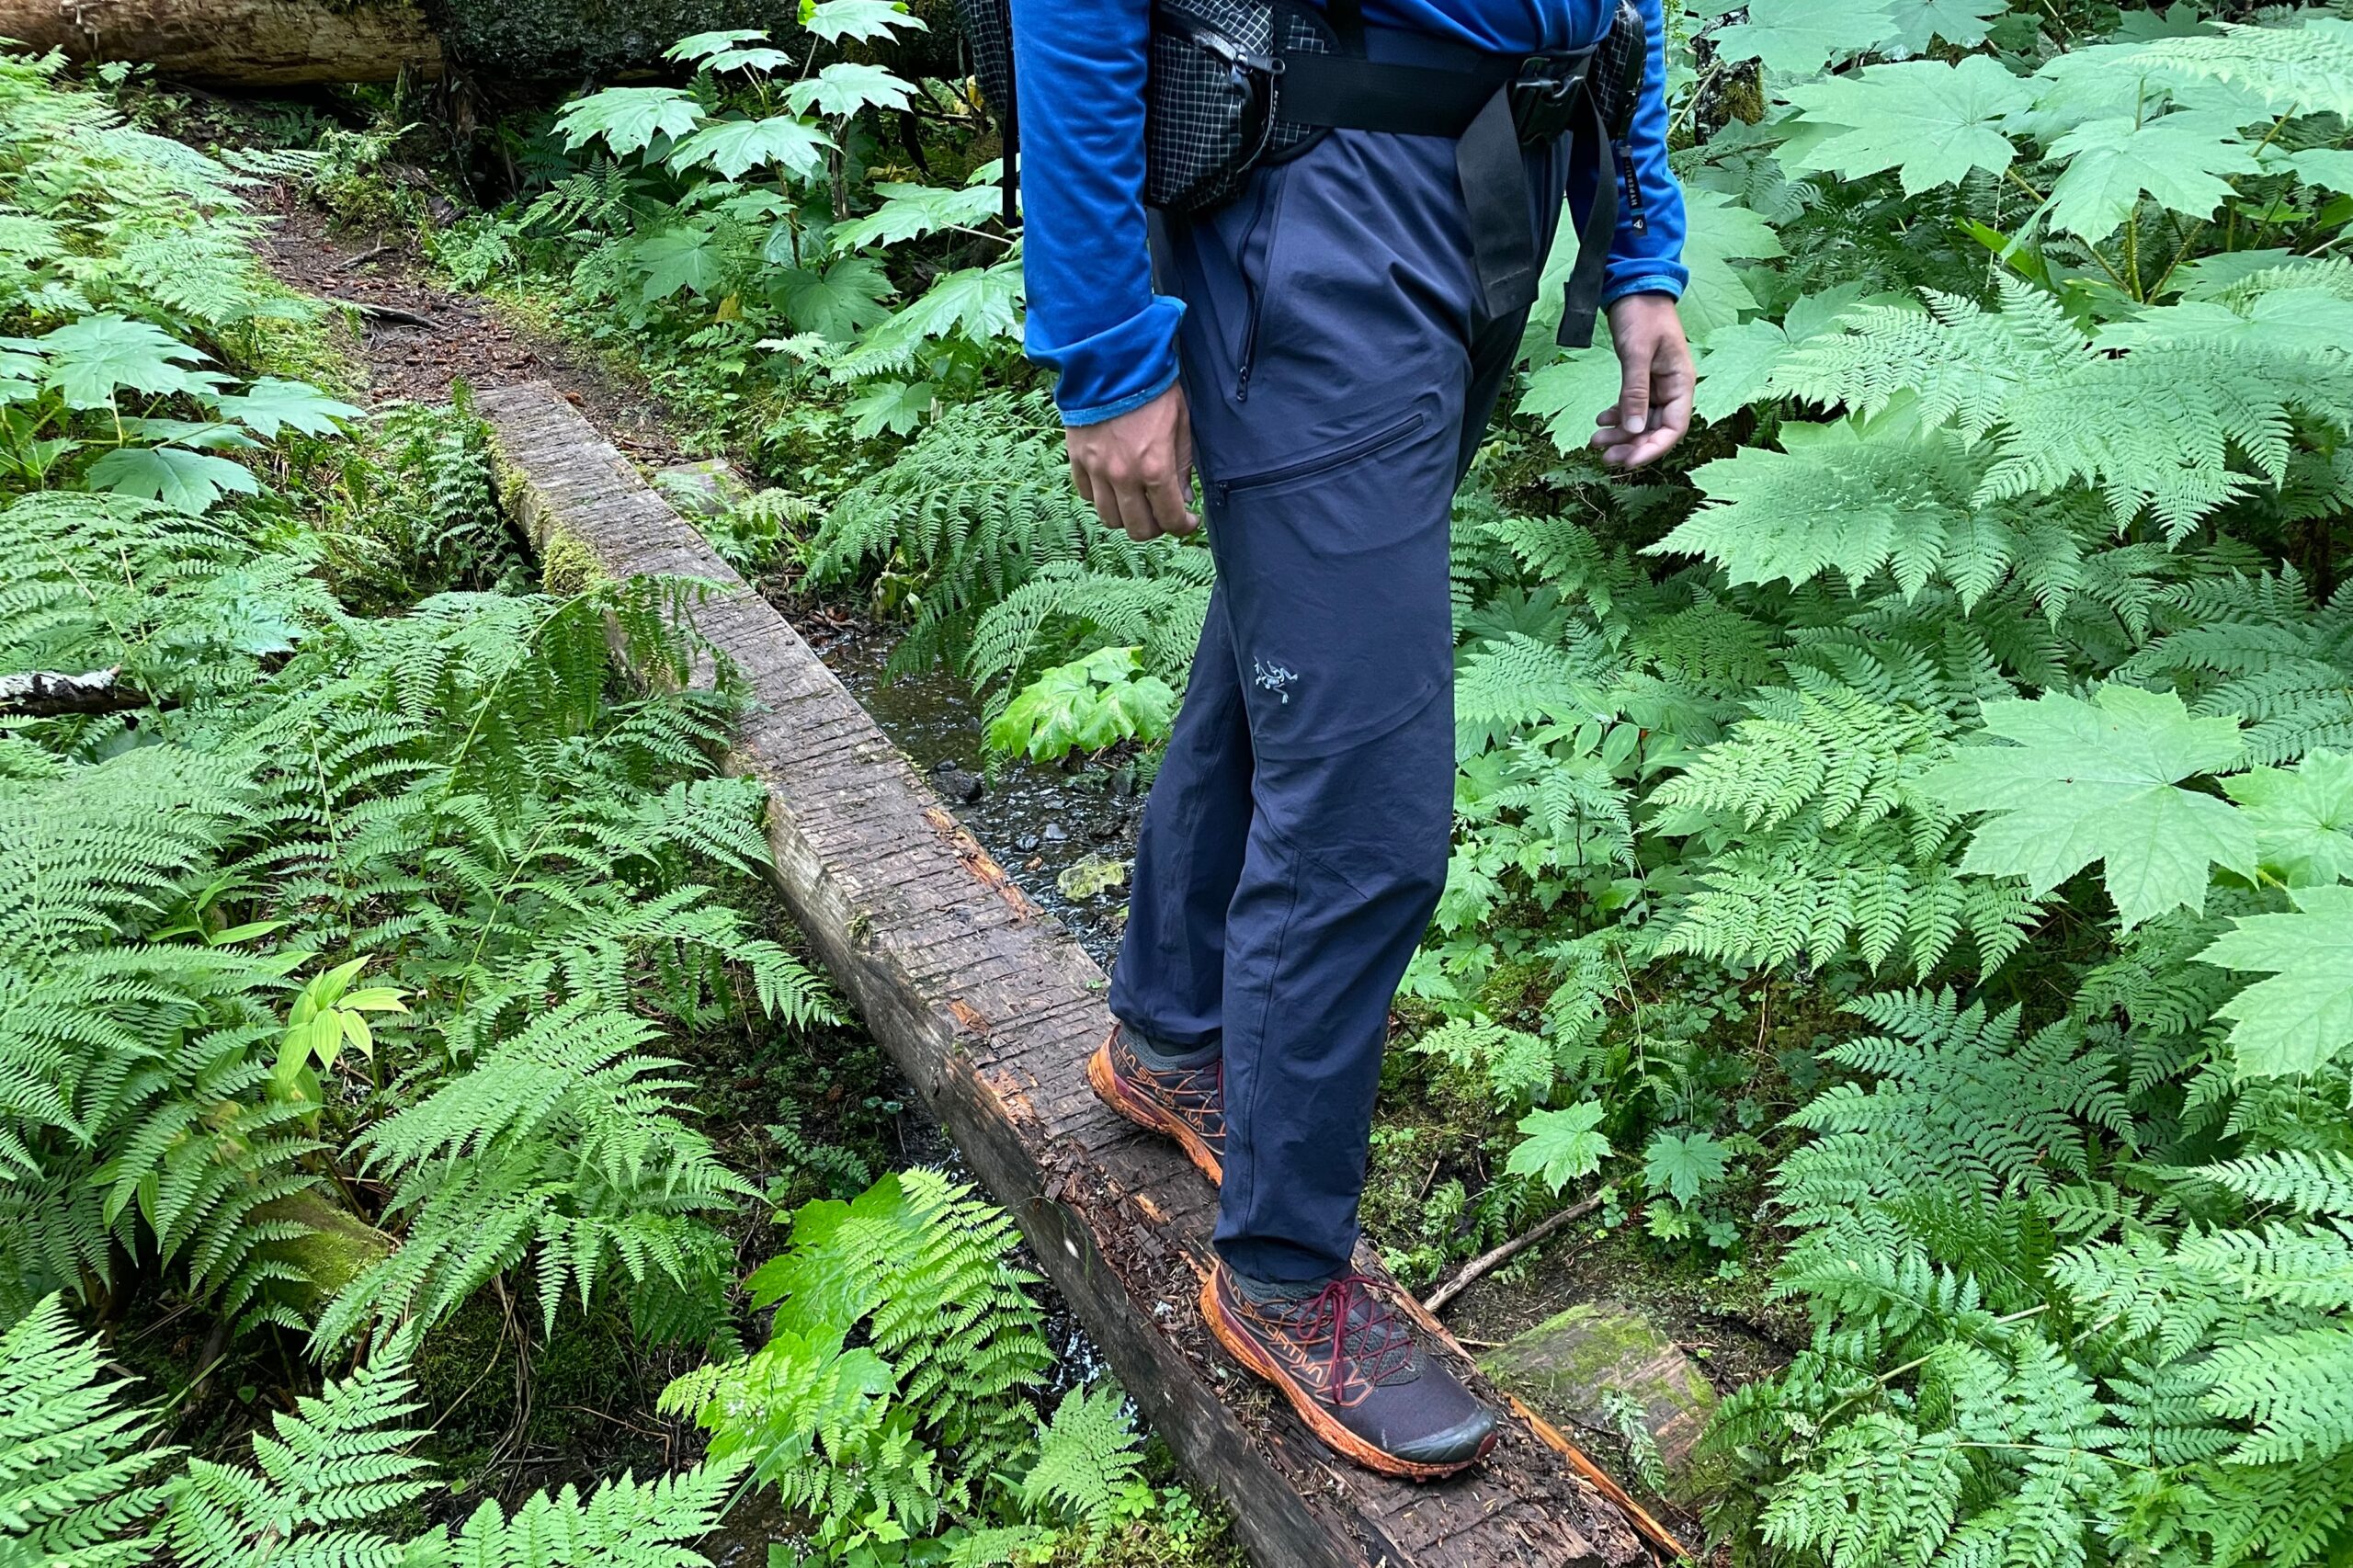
(1047, 826)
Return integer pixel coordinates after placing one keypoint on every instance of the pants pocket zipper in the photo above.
(1362, 447)
(1255, 289)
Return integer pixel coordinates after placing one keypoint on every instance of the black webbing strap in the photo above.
(1581, 300)
(1494, 200)
(1468, 98)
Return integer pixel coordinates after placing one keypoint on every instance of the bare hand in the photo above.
(1136, 470)
(1654, 407)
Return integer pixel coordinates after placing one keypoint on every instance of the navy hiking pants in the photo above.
(1340, 368)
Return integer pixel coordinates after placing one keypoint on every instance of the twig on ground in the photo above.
(44, 694)
(363, 257)
(384, 313)
(1488, 1262)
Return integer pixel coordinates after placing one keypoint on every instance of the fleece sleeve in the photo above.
(1086, 264)
(1648, 259)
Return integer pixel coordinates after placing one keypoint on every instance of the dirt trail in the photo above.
(421, 337)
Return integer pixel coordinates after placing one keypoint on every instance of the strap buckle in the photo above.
(1544, 95)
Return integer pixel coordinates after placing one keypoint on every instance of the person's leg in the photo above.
(1167, 985)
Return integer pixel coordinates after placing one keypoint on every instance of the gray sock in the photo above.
(1165, 1059)
(1265, 1291)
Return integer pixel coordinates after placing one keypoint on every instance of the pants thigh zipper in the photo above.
(1269, 210)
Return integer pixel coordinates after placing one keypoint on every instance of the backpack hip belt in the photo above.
(1236, 85)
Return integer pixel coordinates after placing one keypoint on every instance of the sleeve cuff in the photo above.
(1128, 404)
(1651, 283)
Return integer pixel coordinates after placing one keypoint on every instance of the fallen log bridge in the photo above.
(989, 1007)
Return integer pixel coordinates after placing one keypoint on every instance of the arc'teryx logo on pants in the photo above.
(1273, 677)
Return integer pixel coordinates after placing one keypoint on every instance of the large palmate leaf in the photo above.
(1932, 123)
(90, 359)
(847, 87)
(2302, 1016)
(627, 120)
(1799, 37)
(1736, 361)
(2181, 161)
(1721, 232)
(184, 481)
(2302, 817)
(735, 146)
(1962, 23)
(684, 258)
(1558, 1146)
(2100, 780)
(910, 212)
(270, 405)
(838, 301)
(862, 22)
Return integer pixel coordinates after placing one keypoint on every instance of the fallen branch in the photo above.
(1488, 1262)
(385, 313)
(370, 254)
(43, 694)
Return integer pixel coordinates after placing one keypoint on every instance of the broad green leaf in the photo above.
(2302, 817)
(980, 303)
(1962, 23)
(1684, 1164)
(2330, 169)
(1558, 1147)
(685, 258)
(1569, 392)
(1932, 123)
(90, 359)
(847, 87)
(840, 301)
(910, 212)
(1721, 232)
(2302, 1016)
(2098, 781)
(2177, 159)
(1799, 37)
(184, 481)
(862, 22)
(1086, 705)
(627, 120)
(1736, 361)
(735, 146)
(895, 406)
(701, 46)
(269, 405)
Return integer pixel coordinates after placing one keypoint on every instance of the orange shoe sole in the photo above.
(1144, 1114)
(1239, 1344)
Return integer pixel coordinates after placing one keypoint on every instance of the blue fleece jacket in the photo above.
(1079, 70)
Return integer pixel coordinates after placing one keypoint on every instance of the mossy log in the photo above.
(237, 43)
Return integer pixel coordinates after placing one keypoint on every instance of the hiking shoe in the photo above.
(1345, 1358)
(1185, 1103)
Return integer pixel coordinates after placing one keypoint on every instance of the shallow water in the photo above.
(1038, 819)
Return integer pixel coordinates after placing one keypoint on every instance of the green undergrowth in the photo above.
(399, 1078)
(1901, 844)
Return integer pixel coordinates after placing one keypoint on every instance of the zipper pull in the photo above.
(1633, 189)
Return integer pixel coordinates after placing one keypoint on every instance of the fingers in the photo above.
(1634, 359)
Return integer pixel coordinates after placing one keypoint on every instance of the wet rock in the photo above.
(1564, 1364)
(959, 785)
(1026, 842)
(1055, 832)
(1083, 880)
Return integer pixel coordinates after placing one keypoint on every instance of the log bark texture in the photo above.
(989, 1008)
(237, 43)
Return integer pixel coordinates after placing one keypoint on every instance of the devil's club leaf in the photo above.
(2099, 781)
(2301, 1017)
